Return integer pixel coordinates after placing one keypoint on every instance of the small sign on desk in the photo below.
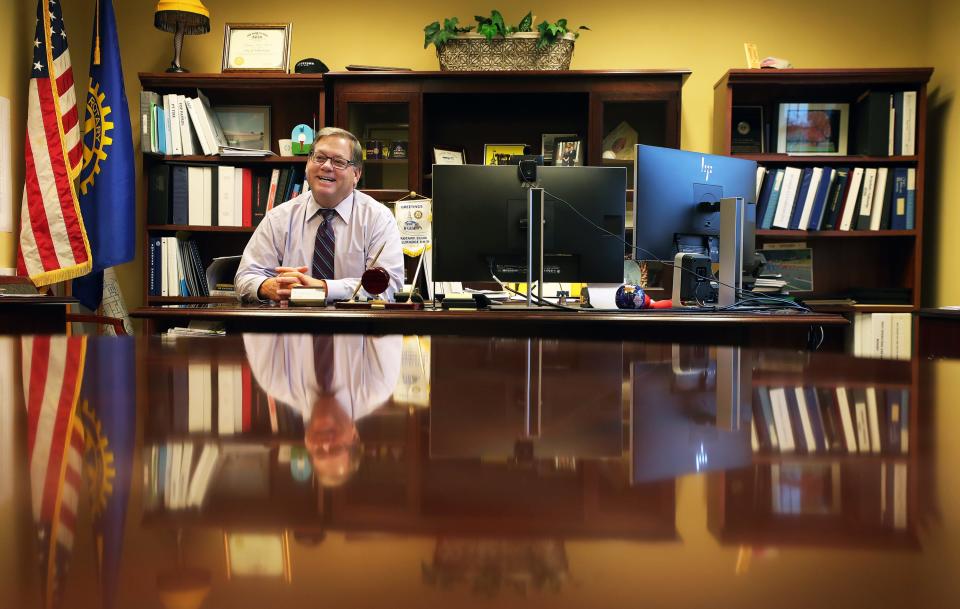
(308, 296)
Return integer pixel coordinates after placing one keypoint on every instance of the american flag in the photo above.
(52, 375)
(53, 242)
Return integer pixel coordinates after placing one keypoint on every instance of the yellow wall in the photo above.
(700, 35)
(15, 34)
(943, 214)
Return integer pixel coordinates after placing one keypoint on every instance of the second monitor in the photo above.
(480, 223)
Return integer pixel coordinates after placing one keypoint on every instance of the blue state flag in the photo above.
(107, 410)
(107, 178)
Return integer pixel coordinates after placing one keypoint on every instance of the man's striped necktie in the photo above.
(323, 247)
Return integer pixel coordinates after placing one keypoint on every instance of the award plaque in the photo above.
(746, 135)
(256, 47)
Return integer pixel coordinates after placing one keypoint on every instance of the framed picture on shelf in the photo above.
(620, 143)
(747, 134)
(449, 155)
(499, 154)
(568, 152)
(256, 47)
(245, 126)
(546, 145)
(813, 129)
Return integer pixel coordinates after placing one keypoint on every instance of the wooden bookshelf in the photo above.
(292, 98)
(842, 260)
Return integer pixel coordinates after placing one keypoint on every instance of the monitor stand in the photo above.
(534, 244)
(731, 250)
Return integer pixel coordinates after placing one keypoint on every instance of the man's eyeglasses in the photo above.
(337, 162)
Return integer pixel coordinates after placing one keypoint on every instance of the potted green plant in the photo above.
(493, 45)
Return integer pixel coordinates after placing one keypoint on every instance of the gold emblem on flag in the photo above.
(96, 136)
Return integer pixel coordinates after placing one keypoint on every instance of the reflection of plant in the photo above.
(491, 565)
(493, 26)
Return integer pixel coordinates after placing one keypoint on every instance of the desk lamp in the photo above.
(181, 17)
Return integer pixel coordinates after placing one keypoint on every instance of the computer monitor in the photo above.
(677, 203)
(480, 223)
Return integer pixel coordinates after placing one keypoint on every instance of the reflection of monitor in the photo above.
(480, 220)
(677, 205)
(527, 399)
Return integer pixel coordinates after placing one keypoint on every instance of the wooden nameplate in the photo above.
(353, 304)
(405, 306)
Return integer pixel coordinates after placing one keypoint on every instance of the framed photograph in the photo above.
(499, 154)
(448, 155)
(567, 152)
(257, 554)
(245, 126)
(813, 129)
(256, 47)
(620, 143)
(746, 135)
(546, 145)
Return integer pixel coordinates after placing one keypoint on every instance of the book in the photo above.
(873, 419)
(787, 198)
(911, 196)
(806, 425)
(898, 211)
(872, 119)
(763, 200)
(196, 200)
(766, 407)
(226, 186)
(852, 195)
(879, 195)
(168, 122)
(909, 130)
(816, 176)
(887, 203)
(806, 175)
(898, 123)
(827, 178)
(159, 194)
(862, 221)
(846, 420)
(148, 100)
(204, 132)
(860, 420)
(835, 198)
(188, 139)
(781, 415)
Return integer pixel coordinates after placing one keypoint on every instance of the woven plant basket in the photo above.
(473, 52)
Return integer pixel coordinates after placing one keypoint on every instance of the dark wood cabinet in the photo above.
(468, 110)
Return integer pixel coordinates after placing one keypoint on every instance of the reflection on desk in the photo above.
(497, 466)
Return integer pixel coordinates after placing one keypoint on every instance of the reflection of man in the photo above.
(327, 235)
(332, 381)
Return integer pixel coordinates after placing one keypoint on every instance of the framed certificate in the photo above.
(256, 47)
(449, 156)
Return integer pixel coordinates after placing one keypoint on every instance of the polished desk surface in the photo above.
(718, 326)
(419, 471)
(34, 313)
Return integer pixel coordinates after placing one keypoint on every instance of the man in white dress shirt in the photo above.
(326, 236)
(332, 381)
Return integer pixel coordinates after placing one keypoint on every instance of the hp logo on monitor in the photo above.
(705, 169)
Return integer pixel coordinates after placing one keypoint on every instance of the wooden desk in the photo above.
(34, 314)
(781, 328)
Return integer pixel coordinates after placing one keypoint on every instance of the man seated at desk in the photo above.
(331, 381)
(326, 236)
